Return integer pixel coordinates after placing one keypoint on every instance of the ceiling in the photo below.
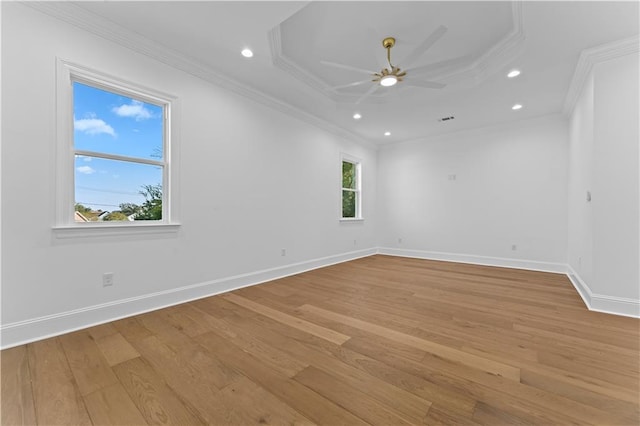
(291, 39)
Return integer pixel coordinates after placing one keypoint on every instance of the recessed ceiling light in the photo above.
(357, 116)
(247, 53)
(388, 80)
(513, 73)
(516, 107)
(387, 133)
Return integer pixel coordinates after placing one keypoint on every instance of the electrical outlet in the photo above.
(399, 240)
(283, 252)
(107, 279)
(355, 242)
(514, 247)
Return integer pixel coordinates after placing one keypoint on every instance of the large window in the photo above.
(351, 189)
(114, 152)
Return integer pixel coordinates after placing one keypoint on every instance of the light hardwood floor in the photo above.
(380, 340)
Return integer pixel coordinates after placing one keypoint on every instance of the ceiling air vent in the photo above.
(446, 118)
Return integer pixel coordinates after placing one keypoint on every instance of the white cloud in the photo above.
(135, 109)
(93, 126)
(85, 170)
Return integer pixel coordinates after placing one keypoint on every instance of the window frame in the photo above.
(64, 224)
(357, 190)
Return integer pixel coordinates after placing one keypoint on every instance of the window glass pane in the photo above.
(125, 190)
(115, 124)
(348, 175)
(348, 204)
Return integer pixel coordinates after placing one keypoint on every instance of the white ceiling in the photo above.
(290, 39)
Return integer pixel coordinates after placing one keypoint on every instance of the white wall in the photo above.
(603, 234)
(253, 181)
(509, 189)
(580, 237)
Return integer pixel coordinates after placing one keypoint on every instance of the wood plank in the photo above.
(112, 406)
(595, 396)
(217, 306)
(165, 331)
(436, 349)
(488, 415)
(131, 329)
(177, 317)
(153, 398)
(354, 400)
(116, 349)
(197, 378)
(442, 417)
(502, 393)
(343, 363)
(88, 365)
(307, 402)
(17, 396)
(324, 333)
(101, 330)
(267, 353)
(56, 394)
(247, 403)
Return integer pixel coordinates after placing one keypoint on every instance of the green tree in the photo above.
(129, 208)
(82, 209)
(116, 215)
(151, 209)
(348, 197)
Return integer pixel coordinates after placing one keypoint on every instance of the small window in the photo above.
(351, 203)
(114, 152)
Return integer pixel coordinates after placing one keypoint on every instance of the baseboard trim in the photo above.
(22, 332)
(593, 301)
(581, 287)
(603, 303)
(477, 260)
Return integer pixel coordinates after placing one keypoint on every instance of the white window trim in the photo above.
(358, 190)
(64, 224)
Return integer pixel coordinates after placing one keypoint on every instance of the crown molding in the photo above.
(79, 17)
(481, 68)
(281, 61)
(590, 57)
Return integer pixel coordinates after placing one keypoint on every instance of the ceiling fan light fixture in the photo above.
(513, 73)
(388, 80)
(247, 53)
(357, 116)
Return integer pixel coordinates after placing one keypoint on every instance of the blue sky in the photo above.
(114, 124)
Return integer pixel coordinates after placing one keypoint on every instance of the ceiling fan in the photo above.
(392, 75)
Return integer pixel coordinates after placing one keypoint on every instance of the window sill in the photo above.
(116, 230)
(352, 219)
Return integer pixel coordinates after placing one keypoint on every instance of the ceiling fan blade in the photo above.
(346, 67)
(424, 84)
(437, 65)
(369, 92)
(357, 83)
(422, 47)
